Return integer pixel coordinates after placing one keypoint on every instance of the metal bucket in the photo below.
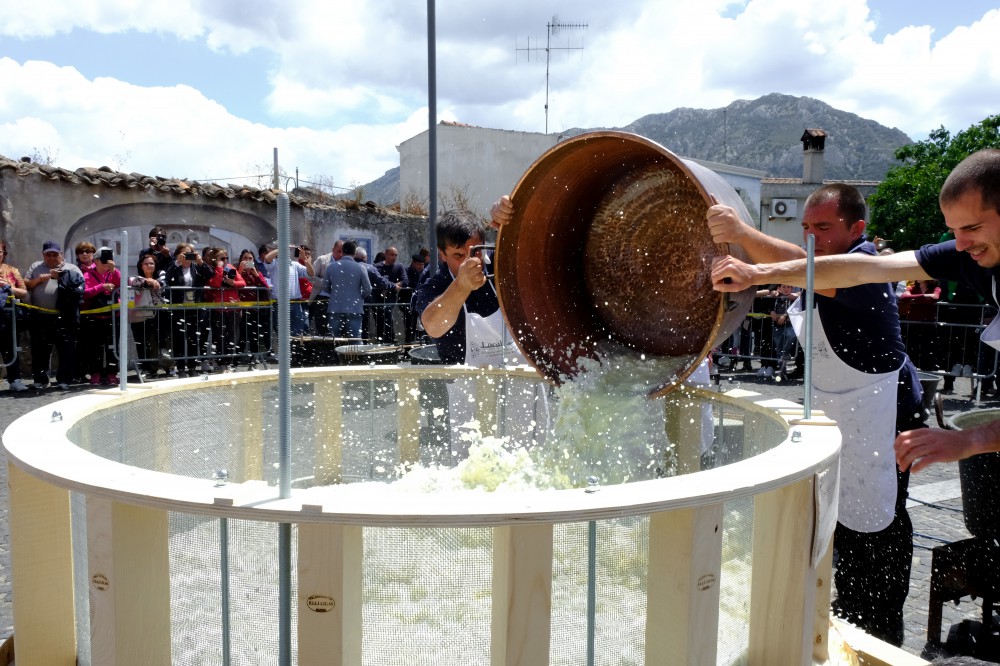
(425, 355)
(609, 241)
(979, 476)
(366, 354)
(929, 383)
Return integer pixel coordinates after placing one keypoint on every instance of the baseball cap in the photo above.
(50, 246)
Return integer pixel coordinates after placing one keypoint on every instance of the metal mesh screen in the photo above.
(426, 591)
(427, 596)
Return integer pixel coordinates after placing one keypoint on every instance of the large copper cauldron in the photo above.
(609, 242)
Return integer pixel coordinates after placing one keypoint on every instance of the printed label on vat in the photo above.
(705, 582)
(320, 603)
(100, 581)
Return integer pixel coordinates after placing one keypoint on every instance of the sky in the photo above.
(207, 89)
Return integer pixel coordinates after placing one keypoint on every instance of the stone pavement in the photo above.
(935, 502)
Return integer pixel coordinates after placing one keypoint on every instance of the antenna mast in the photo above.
(552, 28)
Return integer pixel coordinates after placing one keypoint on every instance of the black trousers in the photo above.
(48, 331)
(873, 572)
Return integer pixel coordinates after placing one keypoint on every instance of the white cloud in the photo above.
(349, 78)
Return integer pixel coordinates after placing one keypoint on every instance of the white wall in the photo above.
(482, 163)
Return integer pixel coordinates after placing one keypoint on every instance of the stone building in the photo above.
(783, 199)
(42, 202)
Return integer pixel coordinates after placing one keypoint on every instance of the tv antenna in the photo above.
(552, 28)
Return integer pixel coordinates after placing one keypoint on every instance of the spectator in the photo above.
(256, 317)
(783, 336)
(320, 303)
(223, 287)
(56, 288)
(11, 287)
(263, 265)
(918, 308)
(395, 275)
(348, 285)
(298, 323)
(158, 249)
(413, 273)
(185, 281)
(145, 315)
(102, 282)
(379, 285)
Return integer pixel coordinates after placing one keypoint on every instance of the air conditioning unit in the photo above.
(784, 207)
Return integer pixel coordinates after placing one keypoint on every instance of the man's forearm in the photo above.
(842, 270)
(763, 249)
(442, 313)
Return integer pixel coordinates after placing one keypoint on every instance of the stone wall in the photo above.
(39, 202)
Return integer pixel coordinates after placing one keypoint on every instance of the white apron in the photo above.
(489, 343)
(864, 407)
(991, 334)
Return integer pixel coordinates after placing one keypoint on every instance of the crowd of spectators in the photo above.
(191, 310)
(194, 311)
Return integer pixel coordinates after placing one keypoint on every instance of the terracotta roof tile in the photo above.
(108, 177)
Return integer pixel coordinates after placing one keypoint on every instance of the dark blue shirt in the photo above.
(943, 262)
(862, 325)
(483, 302)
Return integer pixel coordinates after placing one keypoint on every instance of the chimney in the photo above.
(813, 141)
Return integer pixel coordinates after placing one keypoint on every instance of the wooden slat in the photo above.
(682, 589)
(408, 419)
(329, 594)
(128, 565)
(328, 416)
(522, 595)
(252, 446)
(41, 556)
(783, 587)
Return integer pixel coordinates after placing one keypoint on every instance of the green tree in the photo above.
(904, 209)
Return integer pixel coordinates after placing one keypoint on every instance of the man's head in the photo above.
(361, 255)
(391, 254)
(835, 215)
(970, 201)
(417, 262)
(785, 289)
(348, 248)
(157, 237)
(52, 254)
(338, 250)
(457, 232)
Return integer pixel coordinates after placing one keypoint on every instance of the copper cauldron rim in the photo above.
(534, 332)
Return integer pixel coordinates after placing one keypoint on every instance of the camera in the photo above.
(190, 256)
(106, 256)
(161, 240)
(230, 273)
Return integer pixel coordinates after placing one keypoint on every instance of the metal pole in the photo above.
(224, 575)
(284, 435)
(810, 278)
(123, 325)
(276, 178)
(432, 135)
(591, 588)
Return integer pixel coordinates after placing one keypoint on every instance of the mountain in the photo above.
(760, 134)
(764, 134)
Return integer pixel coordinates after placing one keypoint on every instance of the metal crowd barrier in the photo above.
(948, 346)
(8, 326)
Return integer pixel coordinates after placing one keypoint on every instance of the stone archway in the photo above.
(203, 224)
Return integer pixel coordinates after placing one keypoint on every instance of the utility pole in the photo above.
(552, 28)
